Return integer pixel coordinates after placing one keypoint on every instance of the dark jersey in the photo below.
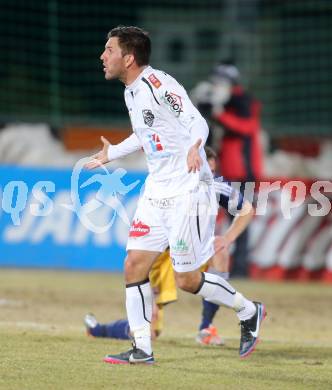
(228, 197)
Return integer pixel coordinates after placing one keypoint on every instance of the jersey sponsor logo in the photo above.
(174, 101)
(158, 156)
(155, 143)
(139, 229)
(154, 80)
(148, 117)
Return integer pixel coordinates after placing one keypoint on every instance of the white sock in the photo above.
(224, 275)
(139, 312)
(215, 289)
(244, 308)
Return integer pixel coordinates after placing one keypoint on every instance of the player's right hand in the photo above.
(194, 160)
(99, 158)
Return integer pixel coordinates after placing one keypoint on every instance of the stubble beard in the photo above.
(108, 75)
(112, 76)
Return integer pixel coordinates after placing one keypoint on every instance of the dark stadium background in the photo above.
(50, 70)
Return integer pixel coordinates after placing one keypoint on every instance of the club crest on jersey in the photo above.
(148, 117)
(139, 229)
(156, 82)
(174, 101)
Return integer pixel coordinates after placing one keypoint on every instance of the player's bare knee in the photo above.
(138, 265)
(132, 265)
(182, 283)
(129, 267)
(188, 281)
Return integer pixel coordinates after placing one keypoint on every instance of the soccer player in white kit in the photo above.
(178, 207)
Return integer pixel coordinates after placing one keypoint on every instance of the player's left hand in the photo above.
(220, 243)
(194, 160)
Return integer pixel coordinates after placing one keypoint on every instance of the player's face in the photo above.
(113, 60)
(212, 164)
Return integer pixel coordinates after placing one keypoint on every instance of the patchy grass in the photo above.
(43, 343)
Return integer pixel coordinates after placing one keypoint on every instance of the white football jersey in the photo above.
(162, 117)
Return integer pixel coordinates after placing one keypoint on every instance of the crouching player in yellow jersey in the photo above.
(162, 276)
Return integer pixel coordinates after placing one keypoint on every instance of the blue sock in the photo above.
(209, 311)
(114, 330)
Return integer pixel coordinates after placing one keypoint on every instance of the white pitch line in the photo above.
(10, 302)
(39, 326)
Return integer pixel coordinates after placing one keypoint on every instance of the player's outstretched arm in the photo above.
(111, 152)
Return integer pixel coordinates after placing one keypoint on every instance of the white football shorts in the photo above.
(185, 223)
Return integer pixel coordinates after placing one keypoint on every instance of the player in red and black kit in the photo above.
(226, 104)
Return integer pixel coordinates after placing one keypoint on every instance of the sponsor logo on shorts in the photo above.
(166, 203)
(154, 80)
(148, 117)
(180, 262)
(138, 229)
(183, 263)
(174, 101)
(180, 247)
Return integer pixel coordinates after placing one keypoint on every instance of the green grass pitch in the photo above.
(43, 343)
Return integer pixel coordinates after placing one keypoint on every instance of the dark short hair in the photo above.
(210, 153)
(133, 40)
